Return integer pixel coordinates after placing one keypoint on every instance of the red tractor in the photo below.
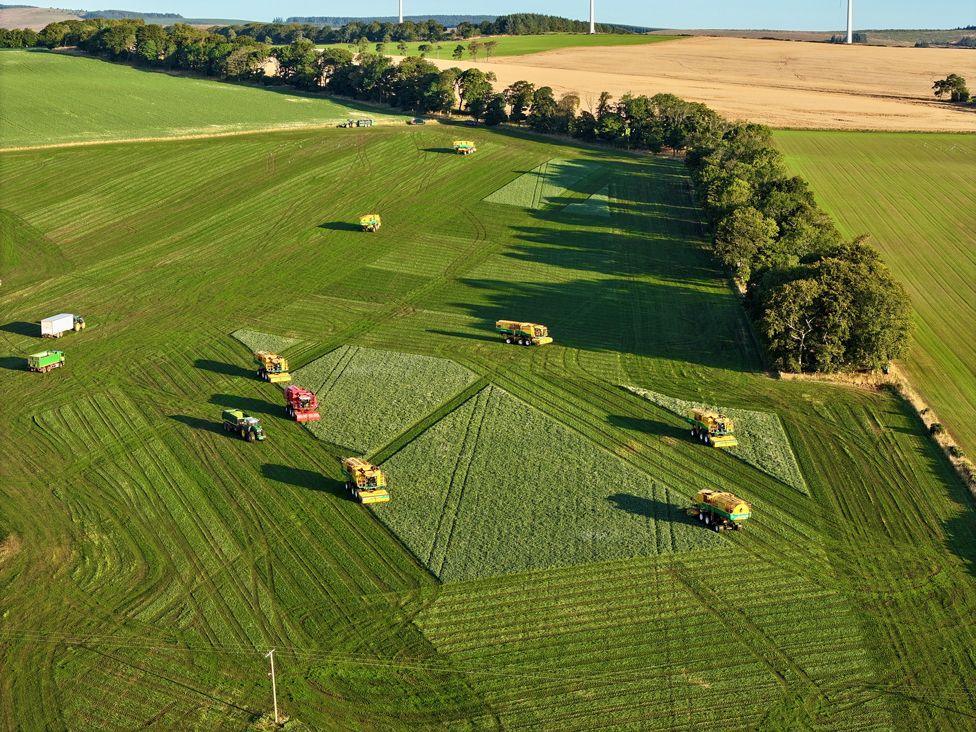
(301, 404)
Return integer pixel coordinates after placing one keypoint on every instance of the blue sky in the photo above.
(778, 14)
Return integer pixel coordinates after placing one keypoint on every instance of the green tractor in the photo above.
(249, 428)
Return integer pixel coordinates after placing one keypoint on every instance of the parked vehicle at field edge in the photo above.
(45, 361)
(720, 510)
(57, 325)
(417, 121)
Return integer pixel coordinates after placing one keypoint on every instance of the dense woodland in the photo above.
(820, 303)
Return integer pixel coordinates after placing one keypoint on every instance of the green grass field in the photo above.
(85, 99)
(914, 194)
(523, 45)
(150, 560)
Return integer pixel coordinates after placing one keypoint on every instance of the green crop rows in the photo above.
(914, 194)
(498, 487)
(545, 183)
(761, 437)
(373, 396)
(151, 560)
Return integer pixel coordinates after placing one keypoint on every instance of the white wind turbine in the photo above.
(850, 21)
(592, 16)
(401, 12)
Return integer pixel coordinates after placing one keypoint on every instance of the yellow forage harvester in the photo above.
(712, 428)
(364, 481)
(272, 367)
(523, 334)
(370, 222)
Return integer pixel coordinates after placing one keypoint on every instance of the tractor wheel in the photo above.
(708, 440)
(250, 436)
(243, 434)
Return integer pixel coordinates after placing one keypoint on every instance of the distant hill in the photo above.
(336, 21)
(27, 16)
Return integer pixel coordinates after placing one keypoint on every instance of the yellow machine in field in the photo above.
(720, 510)
(524, 334)
(370, 222)
(464, 147)
(272, 367)
(712, 428)
(364, 481)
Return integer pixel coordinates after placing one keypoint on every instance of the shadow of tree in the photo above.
(300, 478)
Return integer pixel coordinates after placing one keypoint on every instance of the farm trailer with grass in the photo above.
(849, 612)
(45, 361)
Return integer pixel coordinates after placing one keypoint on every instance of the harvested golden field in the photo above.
(34, 18)
(807, 85)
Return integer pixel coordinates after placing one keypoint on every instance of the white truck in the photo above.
(57, 325)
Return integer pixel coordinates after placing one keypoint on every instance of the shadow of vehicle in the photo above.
(20, 327)
(219, 367)
(300, 478)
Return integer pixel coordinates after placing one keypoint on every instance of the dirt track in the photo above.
(808, 85)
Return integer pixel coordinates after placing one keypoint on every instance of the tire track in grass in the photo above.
(454, 495)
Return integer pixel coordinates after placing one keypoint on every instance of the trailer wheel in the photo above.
(707, 521)
(701, 516)
(508, 340)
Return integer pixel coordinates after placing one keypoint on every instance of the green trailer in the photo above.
(45, 361)
(248, 427)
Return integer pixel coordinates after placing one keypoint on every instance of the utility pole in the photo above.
(274, 687)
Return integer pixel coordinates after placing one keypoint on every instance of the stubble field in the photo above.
(782, 84)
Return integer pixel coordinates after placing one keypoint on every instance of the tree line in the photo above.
(819, 301)
(353, 32)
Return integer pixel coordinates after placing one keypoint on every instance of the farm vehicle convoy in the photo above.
(367, 483)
